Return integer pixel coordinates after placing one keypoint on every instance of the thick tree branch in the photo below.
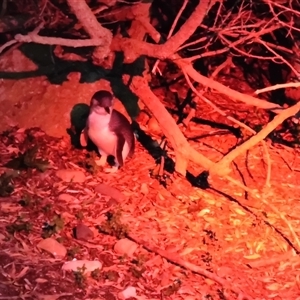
(223, 164)
(92, 26)
(141, 88)
(205, 81)
(168, 49)
(188, 28)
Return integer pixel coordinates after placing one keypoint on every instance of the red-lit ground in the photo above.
(250, 248)
(202, 227)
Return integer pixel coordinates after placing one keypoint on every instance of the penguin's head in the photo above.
(102, 102)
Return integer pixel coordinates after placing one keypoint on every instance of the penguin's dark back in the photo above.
(120, 125)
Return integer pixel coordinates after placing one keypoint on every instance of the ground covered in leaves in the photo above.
(140, 239)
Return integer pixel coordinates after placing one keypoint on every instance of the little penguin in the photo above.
(109, 130)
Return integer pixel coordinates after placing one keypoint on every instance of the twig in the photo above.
(283, 8)
(280, 57)
(183, 151)
(43, 8)
(236, 122)
(227, 159)
(227, 63)
(175, 259)
(277, 87)
(100, 35)
(172, 29)
(287, 256)
(12, 42)
(161, 166)
(189, 117)
(3, 8)
(252, 101)
(189, 27)
(284, 219)
(92, 27)
(57, 41)
(234, 44)
(7, 44)
(184, 4)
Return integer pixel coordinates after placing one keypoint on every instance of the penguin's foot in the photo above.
(102, 161)
(113, 169)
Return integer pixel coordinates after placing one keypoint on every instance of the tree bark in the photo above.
(92, 26)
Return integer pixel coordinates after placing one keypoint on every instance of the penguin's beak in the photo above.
(107, 110)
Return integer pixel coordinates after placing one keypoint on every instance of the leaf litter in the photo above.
(187, 243)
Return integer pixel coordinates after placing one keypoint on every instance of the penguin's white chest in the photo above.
(101, 136)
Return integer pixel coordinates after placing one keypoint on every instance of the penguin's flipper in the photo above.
(119, 149)
(84, 137)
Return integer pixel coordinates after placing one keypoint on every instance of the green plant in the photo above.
(28, 160)
(80, 277)
(71, 253)
(6, 187)
(55, 226)
(29, 201)
(19, 227)
(96, 274)
(79, 215)
(111, 275)
(113, 225)
(172, 289)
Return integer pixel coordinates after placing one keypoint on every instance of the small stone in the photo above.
(53, 247)
(153, 126)
(110, 191)
(69, 175)
(143, 117)
(89, 265)
(224, 271)
(67, 198)
(144, 189)
(129, 292)
(84, 233)
(125, 246)
(2, 237)
(112, 202)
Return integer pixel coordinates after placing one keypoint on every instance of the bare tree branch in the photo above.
(226, 160)
(92, 26)
(45, 40)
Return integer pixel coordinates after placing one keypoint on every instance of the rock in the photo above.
(110, 191)
(84, 233)
(67, 198)
(53, 247)
(8, 207)
(125, 246)
(69, 175)
(2, 238)
(144, 189)
(89, 265)
(112, 202)
(129, 292)
(153, 126)
(143, 118)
